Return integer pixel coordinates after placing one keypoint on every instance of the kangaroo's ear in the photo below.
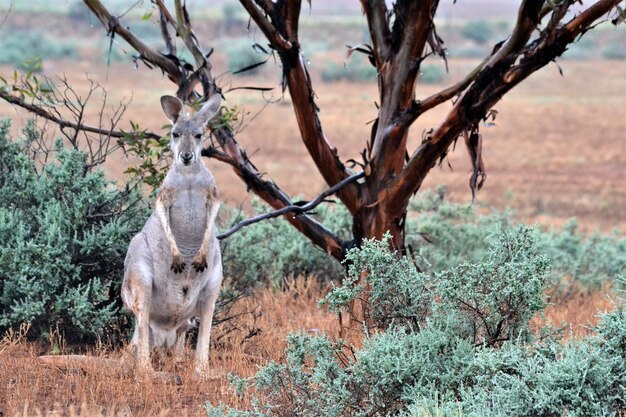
(208, 110)
(172, 107)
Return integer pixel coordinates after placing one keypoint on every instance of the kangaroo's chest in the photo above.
(188, 217)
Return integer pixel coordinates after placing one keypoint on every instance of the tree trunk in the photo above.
(373, 221)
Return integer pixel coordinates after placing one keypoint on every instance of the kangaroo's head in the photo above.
(187, 131)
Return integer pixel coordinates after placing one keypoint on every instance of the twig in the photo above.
(6, 16)
(40, 111)
(293, 208)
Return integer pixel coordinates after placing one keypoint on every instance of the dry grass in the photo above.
(28, 388)
(26, 385)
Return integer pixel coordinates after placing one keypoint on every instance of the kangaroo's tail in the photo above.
(111, 367)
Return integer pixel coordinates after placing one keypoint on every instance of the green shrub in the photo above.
(431, 74)
(356, 71)
(241, 54)
(409, 370)
(614, 51)
(19, 46)
(273, 250)
(592, 260)
(64, 231)
(447, 235)
(479, 31)
(471, 51)
(494, 300)
(407, 304)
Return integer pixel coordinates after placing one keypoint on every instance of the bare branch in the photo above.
(378, 23)
(165, 12)
(489, 86)
(300, 88)
(273, 195)
(277, 41)
(296, 209)
(40, 111)
(231, 154)
(113, 26)
(528, 18)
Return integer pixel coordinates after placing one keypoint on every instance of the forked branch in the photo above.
(281, 29)
(491, 83)
(293, 209)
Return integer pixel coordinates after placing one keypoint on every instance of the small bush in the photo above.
(408, 370)
(431, 74)
(356, 71)
(19, 46)
(64, 231)
(614, 51)
(447, 235)
(479, 31)
(241, 54)
(408, 303)
(473, 51)
(273, 250)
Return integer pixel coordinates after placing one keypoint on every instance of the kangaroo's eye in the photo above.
(199, 136)
(176, 134)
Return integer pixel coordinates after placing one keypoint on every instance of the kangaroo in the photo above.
(173, 267)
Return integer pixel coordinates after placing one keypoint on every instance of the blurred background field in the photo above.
(557, 150)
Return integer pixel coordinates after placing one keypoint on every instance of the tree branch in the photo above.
(41, 112)
(231, 154)
(276, 39)
(284, 24)
(490, 85)
(378, 23)
(528, 17)
(112, 25)
(269, 192)
(296, 209)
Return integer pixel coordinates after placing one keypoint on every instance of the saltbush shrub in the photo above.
(614, 50)
(438, 368)
(241, 54)
(357, 70)
(21, 46)
(431, 74)
(64, 230)
(479, 31)
(446, 235)
(272, 251)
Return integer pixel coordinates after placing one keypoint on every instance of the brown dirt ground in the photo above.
(558, 149)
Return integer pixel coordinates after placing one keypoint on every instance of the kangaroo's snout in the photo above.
(186, 157)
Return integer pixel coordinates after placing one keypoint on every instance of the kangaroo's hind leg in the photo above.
(206, 308)
(136, 295)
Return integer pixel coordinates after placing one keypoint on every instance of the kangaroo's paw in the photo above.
(167, 378)
(203, 372)
(178, 264)
(199, 263)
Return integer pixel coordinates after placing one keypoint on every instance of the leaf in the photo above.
(147, 15)
(474, 145)
(363, 48)
(250, 67)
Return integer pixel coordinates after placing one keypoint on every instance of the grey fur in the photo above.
(173, 268)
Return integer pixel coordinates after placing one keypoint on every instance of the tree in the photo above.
(402, 36)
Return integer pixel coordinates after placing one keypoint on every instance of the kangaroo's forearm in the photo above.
(162, 208)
